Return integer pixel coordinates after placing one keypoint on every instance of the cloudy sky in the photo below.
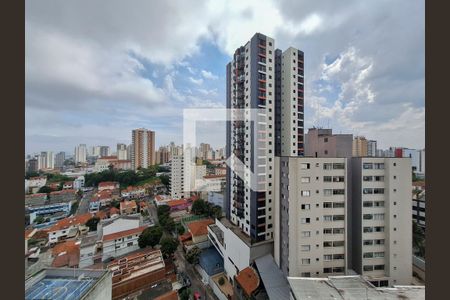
(97, 69)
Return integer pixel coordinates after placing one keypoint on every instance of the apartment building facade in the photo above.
(321, 142)
(143, 148)
(262, 78)
(381, 220)
(360, 145)
(176, 188)
(311, 216)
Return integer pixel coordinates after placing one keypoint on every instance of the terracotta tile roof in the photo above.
(37, 195)
(102, 195)
(41, 234)
(172, 295)
(108, 157)
(177, 202)
(199, 228)
(248, 279)
(128, 205)
(107, 183)
(29, 233)
(185, 237)
(120, 234)
(131, 188)
(142, 204)
(66, 254)
(72, 221)
(113, 211)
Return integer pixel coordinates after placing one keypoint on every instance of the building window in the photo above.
(367, 178)
(305, 220)
(379, 166)
(367, 166)
(327, 205)
(328, 218)
(305, 193)
(305, 180)
(338, 256)
(306, 261)
(338, 166)
(378, 191)
(327, 166)
(378, 254)
(367, 203)
(379, 216)
(368, 268)
(327, 192)
(306, 233)
(368, 255)
(305, 206)
(338, 192)
(379, 203)
(338, 218)
(327, 178)
(327, 244)
(338, 230)
(305, 248)
(305, 274)
(327, 270)
(378, 267)
(368, 242)
(304, 166)
(327, 231)
(328, 257)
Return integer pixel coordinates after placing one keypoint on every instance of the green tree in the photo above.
(30, 174)
(180, 229)
(185, 294)
(45, 189)
(168, 246)
(221, 281)
(418, 240)
(215, 211)
(150, 237)
(165, 180)
(39, 220)
(92, 223)
(199, 207)
(192, 255)
(163, 210)
(169, 224)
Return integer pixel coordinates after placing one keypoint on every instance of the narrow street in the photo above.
(83, 206)
(196, 282)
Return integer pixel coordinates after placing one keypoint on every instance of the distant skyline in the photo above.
(94, 72)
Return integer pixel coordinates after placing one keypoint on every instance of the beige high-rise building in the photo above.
(311, 219)
(143, 148)
(162, 155)
(381, 220)
(360, 146)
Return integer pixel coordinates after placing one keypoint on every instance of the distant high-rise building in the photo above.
(46, 160)
(122, 151)
(359, 146)
(162, 155)
(371, 148)
(60, 157)
(80, 153)
(143, 154)
(129, 151)
(323, 143)
(33, 165)
(105, 151)
(94, 151)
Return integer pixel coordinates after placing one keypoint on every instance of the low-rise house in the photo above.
(35, 183)
(67, 228)
(197, 234)
(114, 212)
(68, 185)
(36, 199)
(181, 204)
(133, 192)
(69, 195)
(78, 183)
(247, 282)
(90, 250)
(52, 212)
(162, 199)
(108, 185)
(66, 254)
(210, 263)
(128, 207)
(120, 243)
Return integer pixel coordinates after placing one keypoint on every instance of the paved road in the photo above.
(152, 211)
(196, 282)
(83, 206)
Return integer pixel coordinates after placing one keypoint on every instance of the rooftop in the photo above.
(62, 283)
(114, 236)
(107, 183)
(275, 283)
(136, 264)
(71, 221)
(67, 254)
(198, 228)
(349, 288)
(248, 279)
(172, 295)
(128, 205)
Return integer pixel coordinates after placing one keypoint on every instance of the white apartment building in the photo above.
(177, 177)
(78, 183)
(46, 160)
(381, 220)
(311, 216)
(80, 153)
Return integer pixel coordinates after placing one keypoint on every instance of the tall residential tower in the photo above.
(143, 148)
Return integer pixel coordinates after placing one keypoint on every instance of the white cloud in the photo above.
(198, 81)
(311, 24)
(209, 75)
